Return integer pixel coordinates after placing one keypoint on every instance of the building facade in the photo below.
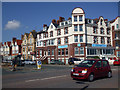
(29, 45)
(16, 47)
(78, 37)
(1, 49)
(7, 49)
(115, 26)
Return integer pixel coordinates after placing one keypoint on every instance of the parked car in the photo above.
(91, 69)
(20, 63)
(111, 60)
(116, 62)
(30, 62)
(74, 61)
(57, 62)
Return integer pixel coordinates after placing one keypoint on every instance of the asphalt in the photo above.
(53, 76)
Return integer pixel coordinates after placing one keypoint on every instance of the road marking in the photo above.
(45, 78)
(114, 69)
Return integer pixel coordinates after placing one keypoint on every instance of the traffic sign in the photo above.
(39, 63)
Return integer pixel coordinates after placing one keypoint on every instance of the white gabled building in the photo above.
(78, 37)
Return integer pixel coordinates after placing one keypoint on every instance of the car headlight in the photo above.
(84, 71)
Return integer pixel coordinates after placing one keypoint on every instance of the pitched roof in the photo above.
(27, 34)
(8, 43)
(1, 44)
(19, 42)
(55, 24)
(34, 33)
(40, 32)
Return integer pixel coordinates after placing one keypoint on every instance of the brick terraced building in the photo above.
(29, 45)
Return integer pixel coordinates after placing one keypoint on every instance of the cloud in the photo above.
(12, 25)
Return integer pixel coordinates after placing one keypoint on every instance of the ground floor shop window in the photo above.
(100, 51)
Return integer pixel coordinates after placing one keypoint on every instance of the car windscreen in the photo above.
(86, 63)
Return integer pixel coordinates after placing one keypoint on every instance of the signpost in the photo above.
(39, 63)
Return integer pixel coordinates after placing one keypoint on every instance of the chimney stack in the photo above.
(14, 39)
(61, 19)
(22, 37)
(53, 21)
(69, 18)
(58, 21)
(44, 25)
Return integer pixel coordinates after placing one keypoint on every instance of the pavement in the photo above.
(53, 76)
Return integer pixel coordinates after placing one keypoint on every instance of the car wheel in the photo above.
(91, 78)
(109, 74)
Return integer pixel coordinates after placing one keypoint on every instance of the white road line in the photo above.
(45, 78)
(114, 69)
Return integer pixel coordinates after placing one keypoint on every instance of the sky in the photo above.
(22, 17)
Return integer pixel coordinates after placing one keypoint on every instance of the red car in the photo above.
(91, 69)
(116, 62)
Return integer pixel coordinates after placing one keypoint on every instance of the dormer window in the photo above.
(101, 22)
(45, 28)
(62, 24)
(89, 21)
(51, 26)
(66, 23)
